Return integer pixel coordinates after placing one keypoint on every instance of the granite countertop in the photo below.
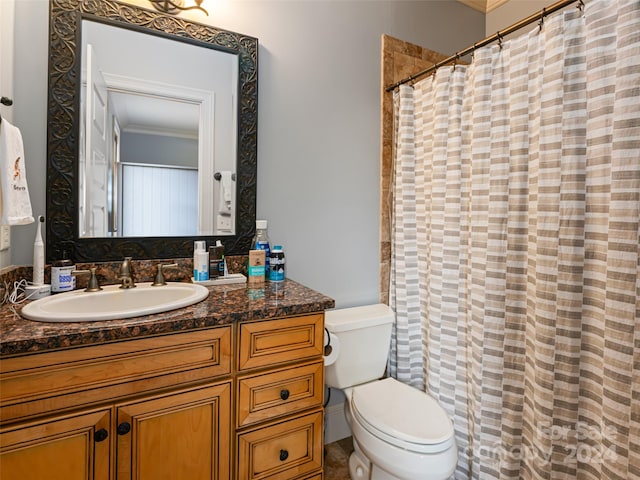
(225, 304)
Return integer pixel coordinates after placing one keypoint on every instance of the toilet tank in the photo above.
(362, 336)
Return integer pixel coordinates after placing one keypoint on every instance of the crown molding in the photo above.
(484, 6)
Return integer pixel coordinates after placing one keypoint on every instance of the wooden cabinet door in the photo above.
(186, 435)
(63, 448)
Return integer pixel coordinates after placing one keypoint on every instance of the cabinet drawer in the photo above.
(281, 392)
(272, 342)
(282, 451)
(88, 375)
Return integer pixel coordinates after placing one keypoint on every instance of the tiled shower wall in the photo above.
(399, 60)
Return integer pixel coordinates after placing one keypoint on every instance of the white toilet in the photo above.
(399, 432)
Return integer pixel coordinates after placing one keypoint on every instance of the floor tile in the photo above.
(336, 459)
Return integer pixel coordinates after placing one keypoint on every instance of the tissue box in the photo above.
(256, 270)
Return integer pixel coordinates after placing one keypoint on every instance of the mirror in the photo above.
(213, 134)
(145, 166)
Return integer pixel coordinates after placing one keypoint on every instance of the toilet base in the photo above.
(359, 464)
(378, 474)
(361, 468)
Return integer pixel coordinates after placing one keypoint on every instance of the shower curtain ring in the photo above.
(499, 40)
(580, 5)
(541, 22)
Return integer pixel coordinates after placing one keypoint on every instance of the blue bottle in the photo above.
(276, 269)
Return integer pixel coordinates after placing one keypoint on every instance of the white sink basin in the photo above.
(113, 302)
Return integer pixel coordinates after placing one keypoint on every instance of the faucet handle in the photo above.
(93, 285)
(159, 280)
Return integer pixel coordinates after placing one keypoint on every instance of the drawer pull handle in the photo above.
(284, 394)
(283, 455)
(101, 435)
(124, 428)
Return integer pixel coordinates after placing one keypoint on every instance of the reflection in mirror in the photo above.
(157, 135)
(155, 185)
(112, 220)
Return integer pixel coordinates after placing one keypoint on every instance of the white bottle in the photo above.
(200, 261)
(38, 255)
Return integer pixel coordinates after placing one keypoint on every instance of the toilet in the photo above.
(399, 432)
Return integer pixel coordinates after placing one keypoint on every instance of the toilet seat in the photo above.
(402, 416)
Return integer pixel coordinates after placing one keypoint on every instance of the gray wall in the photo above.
(512, 12)
(319, 121)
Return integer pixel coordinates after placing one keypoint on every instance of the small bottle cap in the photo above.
(261, 224)
(277, 248)
(200, 245)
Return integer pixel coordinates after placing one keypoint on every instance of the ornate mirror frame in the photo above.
(63, 124)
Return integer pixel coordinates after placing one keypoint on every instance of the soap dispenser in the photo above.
(200, 261)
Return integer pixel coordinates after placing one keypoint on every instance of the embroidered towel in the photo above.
(15, 205)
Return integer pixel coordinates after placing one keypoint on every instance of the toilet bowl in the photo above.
(399, 432)
(404, 433)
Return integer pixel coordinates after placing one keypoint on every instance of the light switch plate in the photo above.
(5, 237)
(224, 223)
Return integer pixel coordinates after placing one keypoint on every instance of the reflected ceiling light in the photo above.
(175, 6)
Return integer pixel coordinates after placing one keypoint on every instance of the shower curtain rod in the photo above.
(499, 35)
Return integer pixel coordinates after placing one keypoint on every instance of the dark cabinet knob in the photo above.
(284, 394)
(283, 455)
(100, 435)
(124, 428)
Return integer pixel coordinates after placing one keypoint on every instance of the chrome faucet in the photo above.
(125, 274)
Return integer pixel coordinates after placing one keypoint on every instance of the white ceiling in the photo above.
(155, 115)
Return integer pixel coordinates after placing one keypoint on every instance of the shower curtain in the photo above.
(515, 248)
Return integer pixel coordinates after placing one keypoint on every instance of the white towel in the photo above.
(226, 192)
(15, 205)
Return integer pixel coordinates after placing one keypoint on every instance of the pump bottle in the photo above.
(200, 261)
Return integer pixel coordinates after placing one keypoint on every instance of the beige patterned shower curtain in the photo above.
(515, 248)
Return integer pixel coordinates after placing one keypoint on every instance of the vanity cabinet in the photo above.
(240, 401)
(158, 407)
(279, 415)
(183, 435)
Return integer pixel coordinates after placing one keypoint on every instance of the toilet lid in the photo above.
(401, 412)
